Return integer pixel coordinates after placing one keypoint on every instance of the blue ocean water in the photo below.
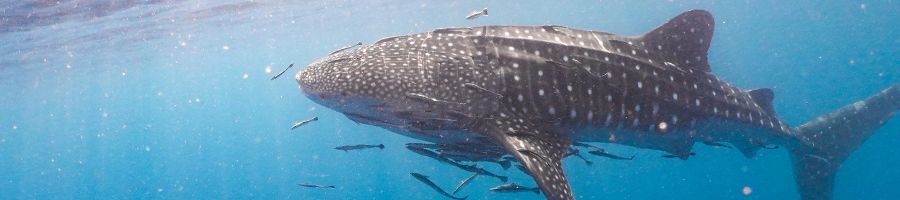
(172, 100)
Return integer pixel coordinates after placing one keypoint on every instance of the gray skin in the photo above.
(533, 90)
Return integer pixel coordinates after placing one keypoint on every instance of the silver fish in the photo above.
(282, 72)
(476, 14)
(301, 123)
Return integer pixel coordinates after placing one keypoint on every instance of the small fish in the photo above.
(424, 179)
(585, 145)
(464, 182)
(682, 156)
(602, 152)
(444, 159)
(459, 154)
(478, 170)
(479, 88)
(431, 154)
(301, 123)
(427, 99)
(476, 14)
(424, 145)
(345, 48)
(359, 146)
(282, 72)
(513, 187)
(716, 144)
(310, 185)
(576, 153)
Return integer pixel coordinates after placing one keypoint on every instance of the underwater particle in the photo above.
(852, 62)
(226, 47)
(182, 44)
(880, 74)
(662, 126)
(245, 76)
(862, 6)
(68, 66)
(159, 190)
(746, 190)
(15, 127)
(160, 93)
(268, 69)
(147, 148)
(197, 100)
(105, 114)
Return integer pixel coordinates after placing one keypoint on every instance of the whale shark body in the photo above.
(534, 90)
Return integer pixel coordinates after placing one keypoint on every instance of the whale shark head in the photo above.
(346, 81)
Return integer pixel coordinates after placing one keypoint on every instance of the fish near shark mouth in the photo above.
(528, 89)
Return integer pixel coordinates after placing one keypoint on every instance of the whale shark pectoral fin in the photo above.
(540, 151)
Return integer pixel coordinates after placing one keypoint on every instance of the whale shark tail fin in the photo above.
(829, 139)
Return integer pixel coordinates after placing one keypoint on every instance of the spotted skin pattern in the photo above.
(533, 90)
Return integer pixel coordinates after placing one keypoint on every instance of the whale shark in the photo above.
(533, 91)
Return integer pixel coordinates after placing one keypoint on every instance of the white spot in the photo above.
(662, 126)
(640, 85)
(541, 92)
(747, 190)
(520, 98)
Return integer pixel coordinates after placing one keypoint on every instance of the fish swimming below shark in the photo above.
(534, 90)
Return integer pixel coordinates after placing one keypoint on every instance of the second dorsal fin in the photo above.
(763, 97)
(683, 40)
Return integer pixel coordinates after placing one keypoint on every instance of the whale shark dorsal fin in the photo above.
(540, 151)
(763, 97)
(683, 40)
